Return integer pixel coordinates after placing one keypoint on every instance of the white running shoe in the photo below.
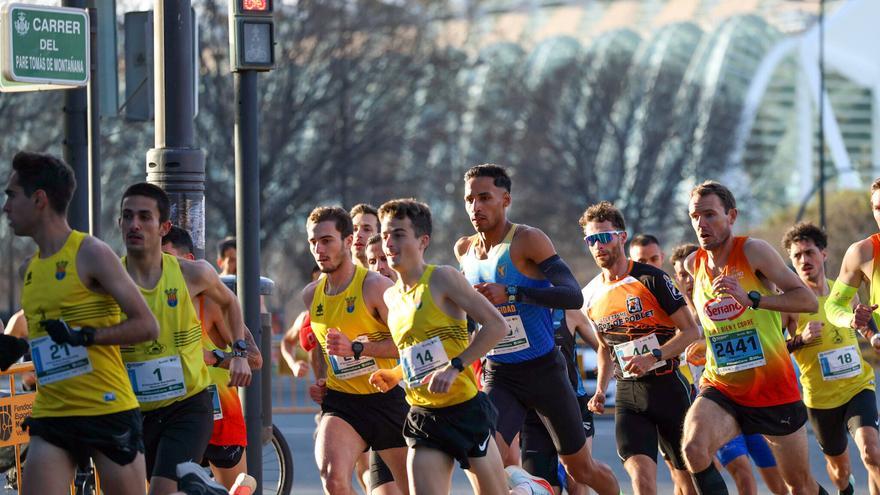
(518, 477)
(193, 479)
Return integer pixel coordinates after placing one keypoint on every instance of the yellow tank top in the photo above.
(172, 367)
(348, 313)
(832, 367)
(74, 381)
(428, 338)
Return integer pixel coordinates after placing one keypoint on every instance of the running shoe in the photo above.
(192, 479)
(519, 477)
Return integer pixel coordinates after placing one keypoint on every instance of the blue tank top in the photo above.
(530, 328)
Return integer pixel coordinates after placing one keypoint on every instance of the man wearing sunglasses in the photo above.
(517, 269)
(643, 324)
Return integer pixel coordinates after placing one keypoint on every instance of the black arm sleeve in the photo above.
(564, 292)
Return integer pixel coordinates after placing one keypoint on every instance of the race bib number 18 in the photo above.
(419, 360)
(837, 364)
(55, 362)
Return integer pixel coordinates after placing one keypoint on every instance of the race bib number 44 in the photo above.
(516, 338)
(737, 351)
(837, 364)
(638, 347)
(55, 362)
(349, 367)
(421, 359)
(157, 379)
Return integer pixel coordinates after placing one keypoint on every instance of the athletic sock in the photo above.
(710, 482)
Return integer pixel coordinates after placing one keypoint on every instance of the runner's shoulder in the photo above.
(462, 245)
(308, 292)
(861, 251)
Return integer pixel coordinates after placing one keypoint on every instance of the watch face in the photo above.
(357, 346)
(240, 345)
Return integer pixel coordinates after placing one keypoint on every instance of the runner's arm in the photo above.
(290, 341)
(577, 321)
(493, 328)
(17, 325)
(375, 286)
(99, 266)
(838, 308)
(604, 366)
(213, 316)
(564, 291)
(795, 297)
(688, 332)
(319, 366)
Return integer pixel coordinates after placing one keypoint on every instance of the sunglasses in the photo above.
(603, 237)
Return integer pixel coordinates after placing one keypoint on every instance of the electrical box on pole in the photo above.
(251, 35)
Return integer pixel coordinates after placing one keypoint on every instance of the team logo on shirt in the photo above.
(633, 304)
(155, 347)
(171, 297)
(60, 270)
(349, 303)
(319, 311)
(502, 269)
(723, 308)
(672, 288)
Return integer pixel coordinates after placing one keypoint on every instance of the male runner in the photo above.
(643, 325)
(734, 455)
(365, 220)
(517, 269)
(226, 452)
(449, 419)
(227, 256)
(169, 375)
(376, 259)
(645, 248)
(348, 318)
(73, 296)
(838, 383)
(748, 384)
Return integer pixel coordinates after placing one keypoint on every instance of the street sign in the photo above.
(45, 45)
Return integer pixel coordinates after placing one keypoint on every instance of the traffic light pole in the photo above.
(76, 145)
(175, 164)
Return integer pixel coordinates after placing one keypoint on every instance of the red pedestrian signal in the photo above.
(255, 6)
(251, 35)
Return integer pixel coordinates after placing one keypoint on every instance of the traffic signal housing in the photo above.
(251, 35)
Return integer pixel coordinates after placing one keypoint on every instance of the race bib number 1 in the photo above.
(638, 347)
(421, 359)
(55, 362)
(737, 351)
(349, 367)
(516, 338)
(157, 379)
(837, 364)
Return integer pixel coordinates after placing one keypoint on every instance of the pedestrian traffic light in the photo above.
(251, 35)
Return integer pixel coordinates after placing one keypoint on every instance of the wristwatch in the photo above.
(755, 297)
(511, 291)
(357, 348)
(658, 354)
(239, 348)
(219, 356)
(457, 364)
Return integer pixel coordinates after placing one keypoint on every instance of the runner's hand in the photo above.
(812, 332)
(639, 365)
(300, 369)
(61, 333)
(861, 316)
(440, 381)
(239, 372)
(318, 390)
(875, 341)
(696, 353)
(384, 380)
(597, 403)
(495, 293)
(338, 344)
(728, 285)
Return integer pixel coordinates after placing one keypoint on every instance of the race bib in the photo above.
(349, 367)
(516, 338)
(55, 362)
(737, 351)
(157, 379)
(638, 347)
(421, 359)
(837, 364)
(215, 401)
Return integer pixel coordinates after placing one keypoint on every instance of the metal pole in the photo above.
(175, 164)
(247, 232)
(10, 270)
(76, 146)
(94, 119)
(822, 113)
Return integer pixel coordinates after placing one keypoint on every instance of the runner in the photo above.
(347, 317)
(376, 259)
(449, 419)
(169, 375)
(637, 309)
(73, 296)
(517, 269)
(838, 383)
(734, 455)
(748, 385)
(645, 248)
(365, 220)
(226, 452)
(227, 256)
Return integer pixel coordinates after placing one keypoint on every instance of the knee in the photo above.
(871, 456)
(696, 455)
(838, 471)
(582, 471)
(335, 481)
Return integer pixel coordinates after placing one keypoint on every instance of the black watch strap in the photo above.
(457, 364)
(219, 356)
(357, 348)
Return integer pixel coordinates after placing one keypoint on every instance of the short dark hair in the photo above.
(875, 185)
(680, 253)
(418, 213)
(603, 211)
(363, 209)
(644, 240)
(163, 204)
(374, 239)
(333, 213)
(805, 231)
(713, 187)
(49, 173)
(179, 238)
(224, 245)
(496, 172)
